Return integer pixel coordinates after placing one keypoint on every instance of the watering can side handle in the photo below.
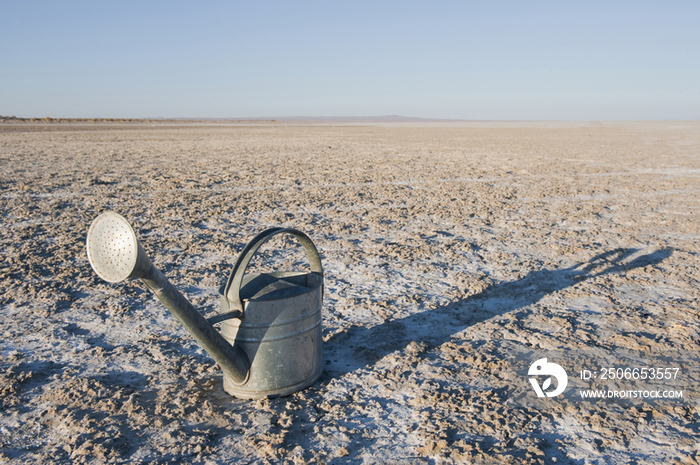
(236, 277)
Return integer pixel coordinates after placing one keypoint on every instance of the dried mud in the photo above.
(451, 252)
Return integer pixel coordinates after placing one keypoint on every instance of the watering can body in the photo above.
(277, 322)
(280, 333)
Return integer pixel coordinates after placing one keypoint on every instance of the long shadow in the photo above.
(359, 346)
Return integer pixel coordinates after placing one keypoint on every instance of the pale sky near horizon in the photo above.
(539, 60)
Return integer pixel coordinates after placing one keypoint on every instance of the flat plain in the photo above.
(455, 256)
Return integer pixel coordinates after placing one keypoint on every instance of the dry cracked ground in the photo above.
(455, 255)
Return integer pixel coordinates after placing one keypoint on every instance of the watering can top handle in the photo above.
(233, 286)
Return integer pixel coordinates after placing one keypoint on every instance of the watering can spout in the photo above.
(115, 254)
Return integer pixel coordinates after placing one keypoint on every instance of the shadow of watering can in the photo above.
(270, 342)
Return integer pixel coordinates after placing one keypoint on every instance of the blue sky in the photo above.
(464, 60)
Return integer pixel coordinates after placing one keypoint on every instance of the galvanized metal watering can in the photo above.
(270, 342)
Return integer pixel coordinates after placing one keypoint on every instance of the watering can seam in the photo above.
(280, 338)
(283, 322)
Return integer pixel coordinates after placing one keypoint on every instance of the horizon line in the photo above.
(382, 118)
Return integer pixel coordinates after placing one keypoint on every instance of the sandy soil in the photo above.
(455, 256)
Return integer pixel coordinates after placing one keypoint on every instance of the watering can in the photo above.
(270, 342)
